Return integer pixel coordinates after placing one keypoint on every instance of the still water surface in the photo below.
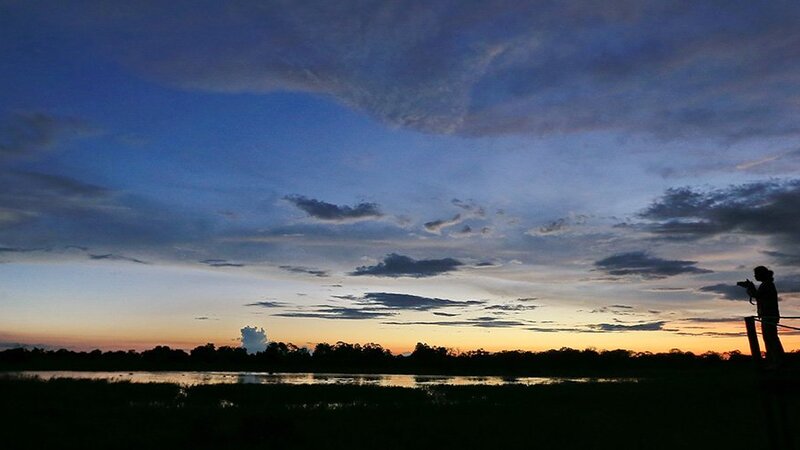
(412, 381)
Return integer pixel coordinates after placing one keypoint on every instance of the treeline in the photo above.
(372, 358)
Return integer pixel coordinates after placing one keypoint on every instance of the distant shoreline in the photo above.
(373, 359)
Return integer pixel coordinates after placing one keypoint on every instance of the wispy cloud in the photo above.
(469, 211)
(712, 319)
(560, 225)
(649, 326)
(305, 270)
(49, 210)
(22, 250)
(786, 162)
(113, 257)
(511, 307)
(221, 263)
(613, 309)
(28, 135)
(602, 328)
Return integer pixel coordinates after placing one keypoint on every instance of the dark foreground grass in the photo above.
(685, 411)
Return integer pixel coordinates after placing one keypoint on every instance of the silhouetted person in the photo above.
(767, 306)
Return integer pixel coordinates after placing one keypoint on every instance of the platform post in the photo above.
(752, 337)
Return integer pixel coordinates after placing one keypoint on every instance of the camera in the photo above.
(747, 284)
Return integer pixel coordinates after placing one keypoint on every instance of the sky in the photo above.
(488, 174)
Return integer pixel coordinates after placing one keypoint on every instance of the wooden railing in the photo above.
(752, 334)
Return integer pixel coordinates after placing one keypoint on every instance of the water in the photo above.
(392, 380)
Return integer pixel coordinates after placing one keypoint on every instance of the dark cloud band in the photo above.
(334, 213)
(395, 265)
(646, 266)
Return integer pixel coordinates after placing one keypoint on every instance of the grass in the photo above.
(709, 410)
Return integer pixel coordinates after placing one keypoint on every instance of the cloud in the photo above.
(512, 307)
(559, 226)
(268, 304)
(328, 212)
(784, 258)
(28, 135)
(113, 257)
(646, 266)
(481, 322)
(766, 208)
(555, 227)
(665, 68)
(785, 284)
(220, 263)
(712, 319)
(788, 283)
(65, 186)
(469, 210)
(338, 312)
(468, 231)
(787, 161)
(561, 330)
(254, 339)
(720, 334)
(305, 270)
(373, 305)
(726, 291)
(50, 210)
(413, 302)
(470, 206)
(602, 328)
(26, 197)
(22, 250)
(614, 309)
(667, 289)
(395, 265)
(6, 345)
(650, 326)
(436, 226)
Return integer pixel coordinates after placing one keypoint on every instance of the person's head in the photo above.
(762, 273)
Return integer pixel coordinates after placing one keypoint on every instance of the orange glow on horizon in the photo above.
(636, 343)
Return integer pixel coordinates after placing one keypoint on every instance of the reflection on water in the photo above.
(393, 380)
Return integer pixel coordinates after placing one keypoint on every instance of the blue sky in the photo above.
(471, 174)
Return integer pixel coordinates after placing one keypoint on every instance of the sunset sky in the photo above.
(470, 174)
